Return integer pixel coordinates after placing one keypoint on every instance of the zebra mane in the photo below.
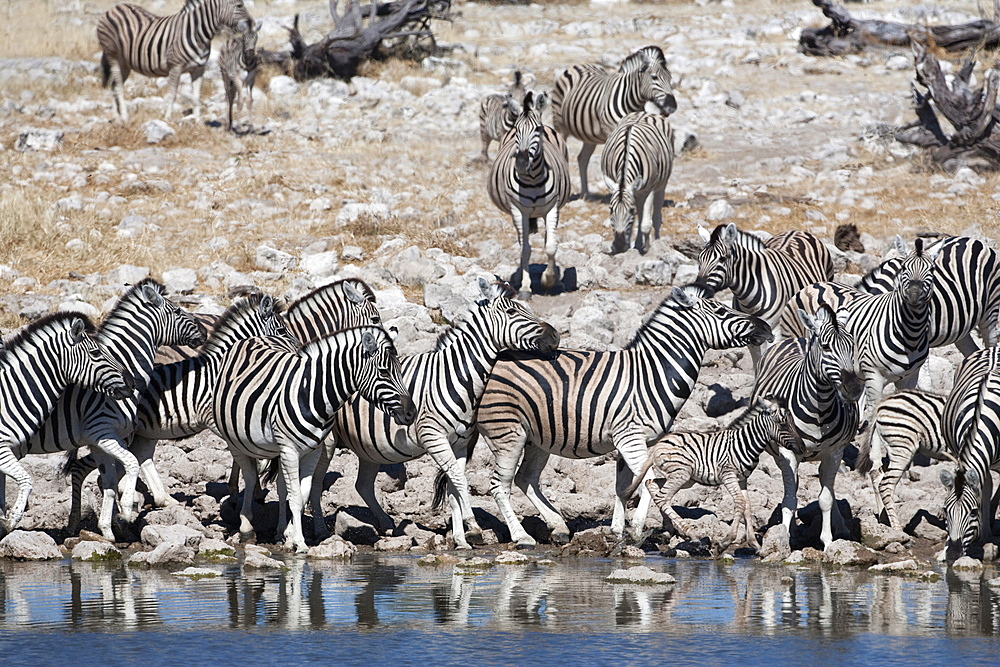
(744, 239)
(698, 290)
(237, 311)
(336, 286)
(119, 305)
(636, 60)
(29, 331)
(307, 347)
(451, 334)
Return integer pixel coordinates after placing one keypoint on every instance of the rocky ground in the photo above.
(384, 185)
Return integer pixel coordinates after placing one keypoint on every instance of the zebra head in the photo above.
(235, 19)
(830, 348)
(529, 133)
(779, 425)
(915, 280)
(715, 261)
(718, 325)
(248, 44)
(172, 324)
(254, 315)
(961, 509)
(623, 213)
(89, 364)
(650, 66)
(511, 323)
(342, 304)
(380, 378)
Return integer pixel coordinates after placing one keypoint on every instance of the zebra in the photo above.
(588, 101)
(890, 330)
(580, 403)
(763, 275)
(637, 162)
(177, 403)
(818, 379)
(498, 112)
(273, 401)
(132, 38)
(137, 324)
(37, 364)
(905, 424)
(966, 297)
(971, 425)
(723, 458)
(530, 180)
(238, 66)
(447, 384)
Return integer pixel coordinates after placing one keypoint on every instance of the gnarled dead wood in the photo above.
(972, 112)
(847, 34)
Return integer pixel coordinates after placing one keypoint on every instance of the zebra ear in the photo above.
(393, 331)
(352, 294)
(948, 479)
(842, 317)
(933, 252)
(369, 343)
(485, 288)
(266, 307)
(973, 481)
(151, 295)
(900, 245)
(808, 321)
(541, 101)
(258, 25)
(77, 330)
(682, 298)
(705, 235)
(731, 234)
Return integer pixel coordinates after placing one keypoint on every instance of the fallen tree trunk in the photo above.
(846, 34)
(972, 112)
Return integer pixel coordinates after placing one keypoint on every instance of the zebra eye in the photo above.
(512, 311)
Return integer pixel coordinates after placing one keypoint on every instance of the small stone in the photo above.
(258, 561)
(212, 548)
(898, 63)
(321, 264)
(632, 552)
(512, 558)
(130, 226)
(333, 548)
(720, 209)
(352, 253)
(166, 553)
(197, 573)
(126, 274)
(96, 552)
(640, 574)
(282, 86)
(847, 553)
(156, 131)
(474, 565)
(967, 563)
(401, 543)
(180, 281)
(271, 259)
(38, 140)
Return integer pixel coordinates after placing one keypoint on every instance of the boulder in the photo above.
(401, 543)
(29, 545)
(96, 551)
(334, 547)
(180, 281)
(36, 139)
(267, 258)
(156, 131)
(321, 264)
(847, 553)
(258, 561)
(640, 574)
(775, 545)
(163, 554)
(154, 535)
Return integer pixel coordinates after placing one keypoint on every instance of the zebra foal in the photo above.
(238, 66)
(724, 458)
(637, 161)
(274, 401)
(588, 101)
(972, 432)
(529, 179)
(36, 365)
(498, 112)
(132, 38)
(581, 404)
(905, 424)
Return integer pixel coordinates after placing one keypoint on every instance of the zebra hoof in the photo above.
(248, 537)
(559, 537)
(526, 542)
(474, 535)
(524, 295)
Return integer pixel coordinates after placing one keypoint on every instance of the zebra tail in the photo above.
(270, 472)
(441, 480)
(71, 458)
(630, 491)
(105, 71)
(863, 464)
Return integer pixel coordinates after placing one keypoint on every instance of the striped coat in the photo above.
(637, 162)
(238, 66)
(589, 101)
(132, 38)
(580, 404)
(530, 180)
(498, 112)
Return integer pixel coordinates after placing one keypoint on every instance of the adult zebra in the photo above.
(966, 296)
(273, 401)
(36, 365)
(588, 101)
(530, 180)
(132, 38)
(498, 112)
(817, 378)
(763, 275)
(580, 404)
(177, 403)
(447, 385)
(891, 330)
(139, 322)
(905, 424)
(971, 426)
(637, 162)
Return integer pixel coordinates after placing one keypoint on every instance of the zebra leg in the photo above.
(365, 486)
(662, 492)
(527, 479)
(443, 455)
(282, 489)
(289, 459)
(550, 280)
(196, 85)
(506, 454)
(484, 135)
(473, 533)
(828, 466)
(11, 467)
(316, 488)
(248, 467)
(109, 481)
(633, 452)
(986, 508)
(967, 345)
(143, 449)
(788, 463)
(126, 505)
(521, 223)
(900, 457)
(657, 209)
(644, 211)
(173, 83)
(118, 76)
(583, 160)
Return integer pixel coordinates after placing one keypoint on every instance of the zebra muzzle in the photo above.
(406, 413)
(548, 341)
